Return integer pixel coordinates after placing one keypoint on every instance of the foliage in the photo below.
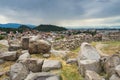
(48, 28)
(2, 37)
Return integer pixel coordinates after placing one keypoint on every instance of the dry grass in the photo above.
(112, 47)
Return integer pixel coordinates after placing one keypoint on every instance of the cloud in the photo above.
(60, 12)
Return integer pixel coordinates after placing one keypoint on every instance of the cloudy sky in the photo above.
(61, 12)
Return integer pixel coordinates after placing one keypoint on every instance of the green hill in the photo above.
(48, 28)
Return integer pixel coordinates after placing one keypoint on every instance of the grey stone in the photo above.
(92, 65)
(91, 75)
(39, 46)
(70, 61)
(14, 47)
(18, 72)
(51, 65)
(114, 77)
(54, 78)
(10, 56)
(25, 43)
(88, 52)
(34, 65)
(42, 76)
(24, 56)
(46, 55)
(111, 63)
(117, 69)
(1, 61)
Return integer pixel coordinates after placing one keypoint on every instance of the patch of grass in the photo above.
(112, 47)
(70, 72)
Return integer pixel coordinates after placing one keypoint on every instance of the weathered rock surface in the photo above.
(71, 61)
(42, 76)
(91, 75)
(117, 69)
(88, 52)
(111, 63)
(18, 72)
(92, 65)
(1, 61)
(24, 56)
(51, 65)
(46, 55)
(25, 43)
(10, 56)
(114, 77)
(14, 47)
(39, 46)
(34, 65)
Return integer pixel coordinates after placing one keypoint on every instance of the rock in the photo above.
(25, 43)
(42, 76)
(88, 52)
(24, 56)
(10, 56)
(51, 65)
(54, 78)
(34, 65)
(6, 79)
(14, 47)
(2, 73)
(18, 72)
(1, 61)
(46, 55)
(114, 77)
(91, 75)
(92, 65)
(39, 46)
(117, 69)
(71, 61)
(111, 63)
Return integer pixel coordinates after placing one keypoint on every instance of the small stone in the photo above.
(114, 77)
(71, 61)
(117, 69)
(46, 55)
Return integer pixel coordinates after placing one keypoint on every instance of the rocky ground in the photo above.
(39, 61)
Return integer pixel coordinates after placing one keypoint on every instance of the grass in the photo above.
(111, 47)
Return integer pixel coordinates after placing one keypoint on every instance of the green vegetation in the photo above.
(2, 37)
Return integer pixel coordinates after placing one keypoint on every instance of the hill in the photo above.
(48, 28)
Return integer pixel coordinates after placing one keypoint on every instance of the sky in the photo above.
(61, 12)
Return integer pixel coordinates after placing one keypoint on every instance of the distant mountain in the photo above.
(48, 28)
(15, 25)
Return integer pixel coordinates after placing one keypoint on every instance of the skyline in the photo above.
(61, 12)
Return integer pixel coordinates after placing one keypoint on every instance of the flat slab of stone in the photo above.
(24, 56)
(71, 61)
(10, 56)
(91, 75)
(88, 52)
(14, 47)
(34, 65)
(42, 76)
(51, 65)
(18, 72)
(92, 65)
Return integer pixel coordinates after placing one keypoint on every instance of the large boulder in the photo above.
(43, 76)
(111, 63)
(25, 43)
(18, 72)
(91, 75)
(51, 65)
(88, 52)
(92, 65)
(34, 65)
(10, 56)
(39, 46)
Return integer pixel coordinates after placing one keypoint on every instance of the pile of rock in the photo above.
(72, 42)
(90, 64)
